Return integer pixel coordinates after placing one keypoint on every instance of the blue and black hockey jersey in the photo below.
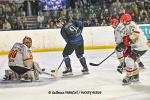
(71, 33)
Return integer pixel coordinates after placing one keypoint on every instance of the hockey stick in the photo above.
(46, 73)
(93, 64)
(56, 70)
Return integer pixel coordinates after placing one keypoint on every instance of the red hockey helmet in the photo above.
(122, 18)
(114, 21)
(126, 17)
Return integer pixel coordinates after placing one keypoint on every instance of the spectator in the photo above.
(8, 9)
(146, 20)
(46, 17)
(6, 25)
(20, 25)
(2, 14)
(1, 25)
(1, 10)
(35, 7)
(40, 20)
(13, 7)
(135, 9)
(13, 20)
(23, 21)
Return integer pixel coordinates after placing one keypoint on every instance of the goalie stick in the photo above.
(93, 64)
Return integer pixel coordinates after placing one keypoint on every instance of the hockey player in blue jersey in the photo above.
(73, 37)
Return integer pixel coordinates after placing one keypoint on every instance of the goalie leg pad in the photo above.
(37, 68)
(10, 75)
(28, 76)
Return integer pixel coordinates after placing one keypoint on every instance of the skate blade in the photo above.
(26, 80)
(126, 83)
(68, 74)
(134, 80)
(142, 68)
(85, 73)
(120, 71)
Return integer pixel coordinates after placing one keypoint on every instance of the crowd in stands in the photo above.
(15, 14)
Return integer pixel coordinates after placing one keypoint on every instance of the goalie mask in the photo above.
(27, 41)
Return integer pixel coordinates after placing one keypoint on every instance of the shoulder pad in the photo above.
(120, 28)
(19, 45)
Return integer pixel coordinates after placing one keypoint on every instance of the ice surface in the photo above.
(103, 82)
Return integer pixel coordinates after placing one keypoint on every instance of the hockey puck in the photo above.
(52, 71)
(43, 69)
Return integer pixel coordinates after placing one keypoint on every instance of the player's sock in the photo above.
(83, 63)
(68, 65)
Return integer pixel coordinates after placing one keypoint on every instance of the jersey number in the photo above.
(13, 53)
(72, 28)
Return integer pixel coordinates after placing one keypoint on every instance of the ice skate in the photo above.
(85, 71)
(141, 65)
(135, 78)
(126, 81)
(121, 67)
(67, 72)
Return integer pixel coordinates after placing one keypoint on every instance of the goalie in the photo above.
(21, 62)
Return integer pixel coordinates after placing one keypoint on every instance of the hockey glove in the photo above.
(120, 47)
(126, 41)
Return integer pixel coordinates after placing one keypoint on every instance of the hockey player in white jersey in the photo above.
(138, 42)
(120, 48)
(21, 62)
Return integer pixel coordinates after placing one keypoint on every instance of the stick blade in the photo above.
(92, 64)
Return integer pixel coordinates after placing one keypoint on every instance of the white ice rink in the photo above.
(103, 79)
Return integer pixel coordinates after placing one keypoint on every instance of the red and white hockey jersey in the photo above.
(119, 33)
(139, 40)
(20, 55)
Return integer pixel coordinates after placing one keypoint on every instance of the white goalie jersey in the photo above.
(139, 40)
(20, 55)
